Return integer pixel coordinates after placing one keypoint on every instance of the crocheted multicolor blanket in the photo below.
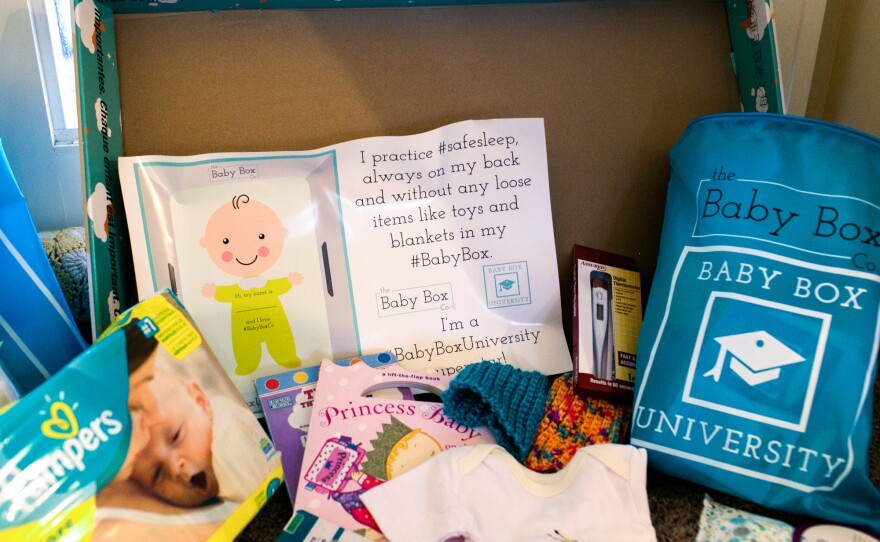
(66, 249)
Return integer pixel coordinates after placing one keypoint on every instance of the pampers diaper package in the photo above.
(141, 435)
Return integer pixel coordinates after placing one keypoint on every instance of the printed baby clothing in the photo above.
(482, 494)
(257, 296)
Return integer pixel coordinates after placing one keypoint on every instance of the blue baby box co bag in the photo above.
(758, 351)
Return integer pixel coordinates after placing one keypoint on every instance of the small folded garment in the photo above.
(572, 421)
(539, 424)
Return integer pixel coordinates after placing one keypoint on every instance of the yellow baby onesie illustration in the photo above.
(244, 238)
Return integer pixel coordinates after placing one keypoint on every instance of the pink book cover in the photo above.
(356, 443)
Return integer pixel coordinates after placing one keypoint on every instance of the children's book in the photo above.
(142, 436)
(436, 246)
(287, 398)
(357, 442)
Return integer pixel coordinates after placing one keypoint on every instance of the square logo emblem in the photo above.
(766, 373)
(507, 284)
(280, 402)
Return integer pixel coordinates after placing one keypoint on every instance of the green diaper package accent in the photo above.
(142, 436)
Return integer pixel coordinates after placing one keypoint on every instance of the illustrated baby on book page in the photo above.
(244, 238)
(250, 271)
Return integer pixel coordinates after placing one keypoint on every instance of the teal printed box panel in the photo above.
(170, 6)
(111, 285)
(755, 59)
(32, 306)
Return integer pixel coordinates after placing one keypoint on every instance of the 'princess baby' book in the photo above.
(357, 442)
(287, 400)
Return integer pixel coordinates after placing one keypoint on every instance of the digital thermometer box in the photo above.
(607, 315)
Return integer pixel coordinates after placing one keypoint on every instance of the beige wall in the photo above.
(847, 87)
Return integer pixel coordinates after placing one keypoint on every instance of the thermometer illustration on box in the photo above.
(603, 330)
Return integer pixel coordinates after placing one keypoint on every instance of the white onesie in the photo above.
(482, 494)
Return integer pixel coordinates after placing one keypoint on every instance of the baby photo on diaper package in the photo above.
(142, 433)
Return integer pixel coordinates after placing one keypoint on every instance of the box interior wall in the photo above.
(616, 82)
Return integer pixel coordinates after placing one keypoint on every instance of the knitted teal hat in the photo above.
(507, 400)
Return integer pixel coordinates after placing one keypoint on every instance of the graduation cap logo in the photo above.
(756, 357)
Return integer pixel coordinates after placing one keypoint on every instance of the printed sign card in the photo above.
(460, 220)
(438, 247)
